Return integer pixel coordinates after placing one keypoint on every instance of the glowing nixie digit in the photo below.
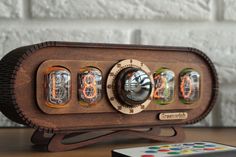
(90, 86)
(189, 86)
(58, 86)
(89, 90)
(164, 86)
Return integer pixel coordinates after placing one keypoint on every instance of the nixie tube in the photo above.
(58, 86)
(189, 90)
(89, 86)
(164, 86)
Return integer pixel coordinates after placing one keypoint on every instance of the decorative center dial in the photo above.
(133, 86)
(130, 86)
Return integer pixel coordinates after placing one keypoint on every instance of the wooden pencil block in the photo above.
(66, 88)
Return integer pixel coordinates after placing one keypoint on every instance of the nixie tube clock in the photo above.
(68, 89)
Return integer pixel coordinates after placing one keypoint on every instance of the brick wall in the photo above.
(209, 25)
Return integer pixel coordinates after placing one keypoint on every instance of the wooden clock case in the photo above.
(22, 95)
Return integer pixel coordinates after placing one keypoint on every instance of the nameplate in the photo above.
(173, 116)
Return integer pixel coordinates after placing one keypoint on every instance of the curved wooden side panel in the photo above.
(23, 97)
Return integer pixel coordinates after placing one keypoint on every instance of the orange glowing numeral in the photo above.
(90, 86)
(189, 86)
(90, 89)
(164, 86)
(186, 82)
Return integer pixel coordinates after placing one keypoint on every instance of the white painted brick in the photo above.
(227, 74)
(123, 9)
(218, 44)
(227, 108)
(229, 9)
(11, 38)
(10, 8)
(206, 122)
(5, 122)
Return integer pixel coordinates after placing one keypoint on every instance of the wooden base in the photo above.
(54, 142)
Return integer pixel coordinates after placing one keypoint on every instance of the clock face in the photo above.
(80, 86)
(130, 86)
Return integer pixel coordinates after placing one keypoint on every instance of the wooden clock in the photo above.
(67, 89)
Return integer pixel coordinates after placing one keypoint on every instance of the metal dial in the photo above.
(130, 86)
(133, 86)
